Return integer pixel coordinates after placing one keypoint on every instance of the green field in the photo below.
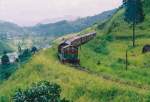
(105, 78)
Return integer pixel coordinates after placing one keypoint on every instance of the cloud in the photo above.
(29, 12)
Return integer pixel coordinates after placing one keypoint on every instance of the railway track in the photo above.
(112, 79)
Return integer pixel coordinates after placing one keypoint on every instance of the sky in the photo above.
(31, 12)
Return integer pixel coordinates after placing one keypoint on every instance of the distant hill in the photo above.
(65, 27)
(8, 29)
(54, 20)
(62, 27)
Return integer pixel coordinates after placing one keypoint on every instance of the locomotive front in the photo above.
(68, 53)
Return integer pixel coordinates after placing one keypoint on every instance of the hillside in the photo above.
(77, 85)
(59, 28)
(110, 51)
(5, 46)
(66, 27)
(34, 35)
(8, 30)
(104, 78)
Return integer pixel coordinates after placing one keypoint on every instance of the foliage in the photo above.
(134, 11)
(25, 55)
(76, 85)
(101, 47)
(42, 91)
(34, 49)
(6, 71)
(134, 14)
(5, 59)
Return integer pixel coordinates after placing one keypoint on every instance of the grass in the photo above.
(106, 53)
(77, 85)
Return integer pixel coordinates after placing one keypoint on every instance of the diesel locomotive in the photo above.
(68, 50)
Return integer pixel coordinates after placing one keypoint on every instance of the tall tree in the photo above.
(124, 2)
(134, 14)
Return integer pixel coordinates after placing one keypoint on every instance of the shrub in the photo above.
(25, 55)
(34, 50)
(5, 59)
(102, 48)
(3, 99)
(40, 92)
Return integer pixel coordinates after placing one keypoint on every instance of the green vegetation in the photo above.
(25, 55)
(42, 91)
(7, 68)
(76, 85)
(104, 77)
(6, 71)
(134, 14)
(5, 59)
(107, 57)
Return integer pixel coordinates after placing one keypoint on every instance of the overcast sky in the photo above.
(30, 12)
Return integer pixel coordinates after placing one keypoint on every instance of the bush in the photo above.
(34, 50)
(40, 92)
(25, 55)
(3, 99)
(5, 59)
(6, 71)
(102, 48)
(108, 37)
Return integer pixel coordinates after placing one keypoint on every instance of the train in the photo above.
(68, 50)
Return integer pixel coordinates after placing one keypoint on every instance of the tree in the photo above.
(34, 49)
(40, 92)
(25, 55)
(19, 48)
(5, 59)
(134, 14)
(124, 2)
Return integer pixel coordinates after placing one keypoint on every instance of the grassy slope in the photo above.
(106, 54)
(78, 86)
(109, 82)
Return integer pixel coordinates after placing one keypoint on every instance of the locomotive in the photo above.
(68, 50)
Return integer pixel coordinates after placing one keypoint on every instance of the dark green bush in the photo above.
(34, 49)
(40, 92)
(25, 55)
(5, 59)
(101, 48)
(7, 70)
(4, 99)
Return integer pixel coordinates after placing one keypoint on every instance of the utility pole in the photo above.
(126, 60)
